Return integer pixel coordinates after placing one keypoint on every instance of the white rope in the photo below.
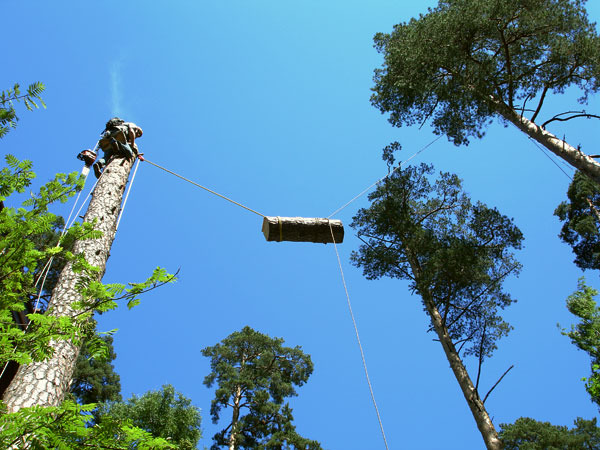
(381, 179)
(46, 269)
(362, 353)
(550, 155)
(48, 264)
(127, 195)
(205, 188)
(86, 198)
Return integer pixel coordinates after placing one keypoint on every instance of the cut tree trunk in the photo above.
(303, 229)
(45, 383)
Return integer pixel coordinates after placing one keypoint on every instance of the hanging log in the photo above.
(303, 229)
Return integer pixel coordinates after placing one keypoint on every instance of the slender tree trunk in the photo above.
(560, 148)
(46, 383)
(482, 418)
(235, 417)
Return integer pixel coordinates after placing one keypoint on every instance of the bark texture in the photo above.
(46, 383)
(560, 148)
(303, 229)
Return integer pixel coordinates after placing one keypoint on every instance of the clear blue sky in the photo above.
(268, 102)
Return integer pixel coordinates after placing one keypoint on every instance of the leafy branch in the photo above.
(8, 114)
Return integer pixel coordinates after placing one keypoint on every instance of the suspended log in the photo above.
(303, 229)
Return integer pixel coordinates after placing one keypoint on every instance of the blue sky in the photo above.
(268, 102)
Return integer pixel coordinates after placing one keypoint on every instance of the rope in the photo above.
(83, 204)
(127, 195)
(43, 275)
(381, 179)
(280, 229)
(48, 265)
(546, 152)
(362, 353)
(206, 189)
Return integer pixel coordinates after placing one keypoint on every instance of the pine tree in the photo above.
(467, 62)
(581, 221)
(455, 255)
(255, 373)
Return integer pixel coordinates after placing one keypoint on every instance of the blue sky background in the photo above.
(268, 102)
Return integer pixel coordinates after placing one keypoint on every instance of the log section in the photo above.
(302, 229)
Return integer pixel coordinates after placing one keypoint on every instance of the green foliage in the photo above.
(464, 59)
(27, 242)
(585, 335)
(66, 427)
(454, 253)
(165, 413)
(8, 98)
(529, 434)
(255, 372)
(580, 215)
(22, 256)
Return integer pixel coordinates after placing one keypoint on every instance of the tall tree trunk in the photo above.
(235, 416)
(482, 419)
(46, 383)
(559, 147)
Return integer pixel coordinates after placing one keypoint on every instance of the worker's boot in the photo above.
(87, 156)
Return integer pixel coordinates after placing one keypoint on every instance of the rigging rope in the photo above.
(46, 269)
(547, 153)
(48, 265)
(127, 195)
(362, 353)
(206, 189)
(363, 192)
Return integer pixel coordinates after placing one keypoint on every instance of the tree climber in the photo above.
(118, 139)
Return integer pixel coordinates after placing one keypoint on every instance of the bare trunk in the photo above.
(46, 383)
(235, 417)
(484, 423)
(482, 418)
(560, 148)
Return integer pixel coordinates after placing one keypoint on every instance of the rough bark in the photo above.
(482, 419)
(559, 147)
(302, 229)
(46, 383)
